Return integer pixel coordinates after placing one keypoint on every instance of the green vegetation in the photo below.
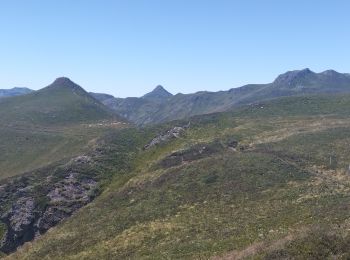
(319, 243)
(281, 192)
(61, 103)
(25, 150)
(49, 125)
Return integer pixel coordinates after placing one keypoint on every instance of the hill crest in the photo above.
(158, 93)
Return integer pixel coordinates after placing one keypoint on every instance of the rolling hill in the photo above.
(169, 107)
(62, 102)
(265, 181)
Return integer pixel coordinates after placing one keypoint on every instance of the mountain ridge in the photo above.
(144, 111)
(159, 105)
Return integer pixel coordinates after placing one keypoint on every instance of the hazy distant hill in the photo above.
(160, 106)
(14, 92)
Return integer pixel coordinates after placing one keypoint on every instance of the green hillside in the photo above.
(63, 102)
(50, 124)
(267, 181)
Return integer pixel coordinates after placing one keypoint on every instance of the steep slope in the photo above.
(166, 108)
(47, 125)
(36, 201)
(14, 92)
(268, 180)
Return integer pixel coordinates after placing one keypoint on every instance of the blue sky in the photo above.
(128, 47)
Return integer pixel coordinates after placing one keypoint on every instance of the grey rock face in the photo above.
(19, 219)
(21, 214)
(34, 210)
(82, 159)
(66, 197)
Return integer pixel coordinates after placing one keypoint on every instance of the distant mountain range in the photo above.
(14, 92)
(161, 106)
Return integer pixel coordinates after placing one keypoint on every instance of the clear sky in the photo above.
(127, 47)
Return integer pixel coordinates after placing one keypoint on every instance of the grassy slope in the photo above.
(26, 150)
(278, 197)
(46, 126)
(53, 105)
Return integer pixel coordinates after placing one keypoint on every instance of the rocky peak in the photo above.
(64, 82)
(158, 93)
(292, 78)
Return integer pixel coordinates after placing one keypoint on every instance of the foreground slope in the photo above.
(48, 141)
(166, 107)
(47, 125)
(269, 180)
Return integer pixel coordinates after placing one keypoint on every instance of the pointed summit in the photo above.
(64, 82)
(67, 85)
(61, 103)
(159, 93)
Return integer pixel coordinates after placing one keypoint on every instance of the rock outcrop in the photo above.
(196, 152)
(172, 133)
(29, 207)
